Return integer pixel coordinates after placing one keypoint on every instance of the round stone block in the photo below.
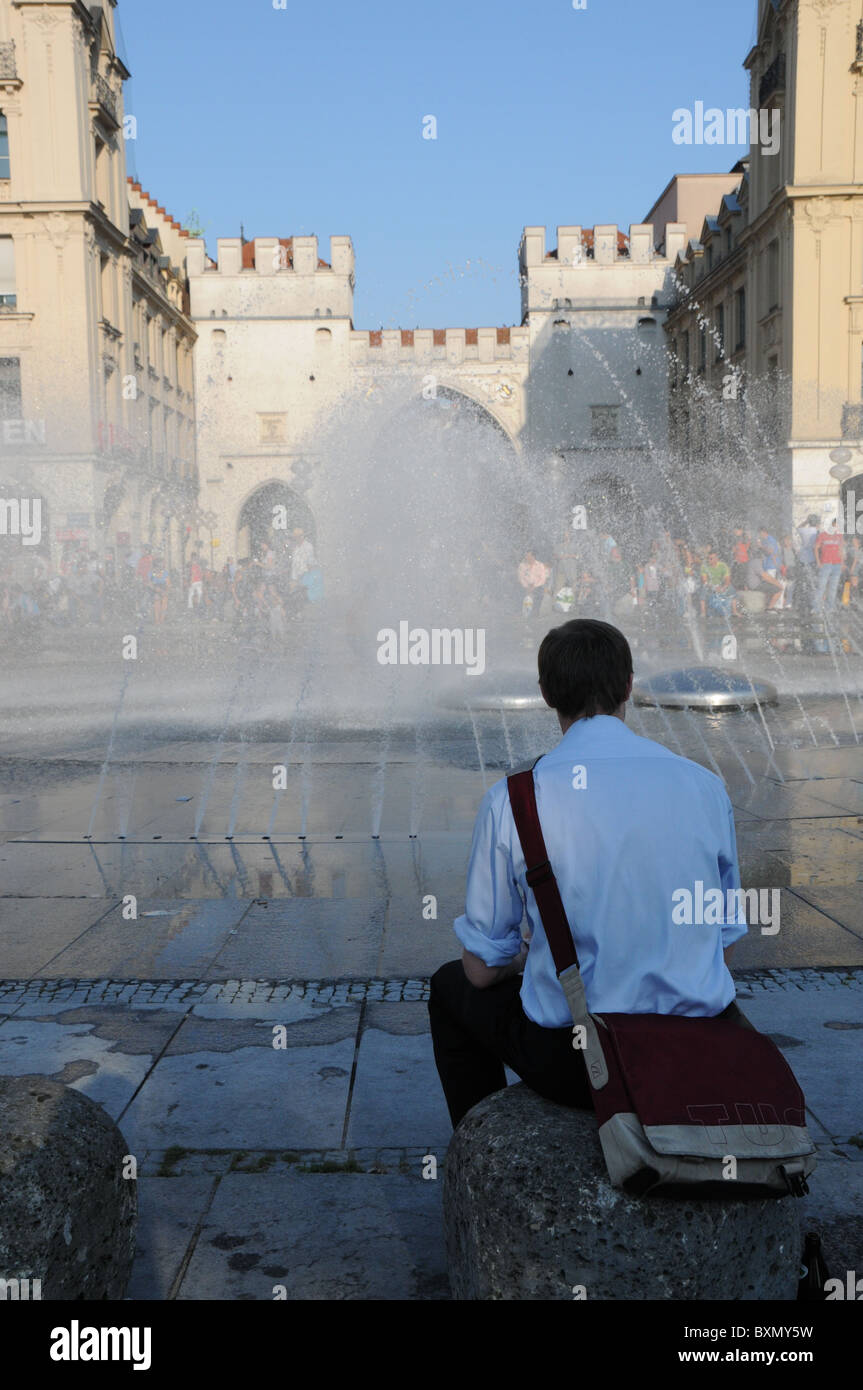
(529, 1213)
(67, 1214)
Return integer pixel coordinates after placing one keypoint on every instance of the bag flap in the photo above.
(683, 1071)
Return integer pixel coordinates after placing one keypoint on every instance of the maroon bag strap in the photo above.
(540, 875)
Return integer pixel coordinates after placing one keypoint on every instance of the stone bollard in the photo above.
(529, 1213)
(67, 1214)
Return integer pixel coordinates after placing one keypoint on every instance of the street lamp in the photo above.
(841, 469)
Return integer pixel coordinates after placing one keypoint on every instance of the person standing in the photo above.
(196, 583)
(533, 576)
(739, 558)
(303, 556)
(788, 571)
(807, 566)
(830, 556)
(160, 583)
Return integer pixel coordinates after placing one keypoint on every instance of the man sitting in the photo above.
(627, 825)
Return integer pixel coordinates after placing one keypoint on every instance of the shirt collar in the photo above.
(602, 728)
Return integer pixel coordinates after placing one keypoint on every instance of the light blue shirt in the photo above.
(645, 825)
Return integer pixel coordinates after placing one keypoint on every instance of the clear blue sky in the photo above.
(309, 119)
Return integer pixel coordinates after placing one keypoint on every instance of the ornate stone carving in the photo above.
(90, 240)
(822, 9)
(47, 18)
(57, 225)
(818, 212)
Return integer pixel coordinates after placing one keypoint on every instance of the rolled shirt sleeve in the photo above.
(490, 925)
(735, 924)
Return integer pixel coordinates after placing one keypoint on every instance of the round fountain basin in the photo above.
(703, 687)
(491, 692)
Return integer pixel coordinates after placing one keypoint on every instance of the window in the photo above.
(741, 319)
(683, 352)
(101, 173)
(8, 296)
(105, 288)
(719, 331)
(702, 349)
(604, 422)
(10, 388)
(772, 284)
(5, 167)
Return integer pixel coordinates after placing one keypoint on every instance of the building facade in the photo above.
(578, 386)
(766, 340)
(96, 383)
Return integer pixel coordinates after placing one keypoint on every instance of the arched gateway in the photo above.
(255, 523)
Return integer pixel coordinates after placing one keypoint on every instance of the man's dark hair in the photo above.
(584, 668)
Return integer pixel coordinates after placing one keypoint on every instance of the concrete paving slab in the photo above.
(250, 1097)
(85, 1056)
(843, 903)
(168, 1212)
(834, 1208)
(321, 1236)
(811, 764)
(34, 931)
(167, 940)
(819, 1032)
(842, 792)
(397, 1092)
(304, 938)
(805, 936)
(416, 946)
(775, 801)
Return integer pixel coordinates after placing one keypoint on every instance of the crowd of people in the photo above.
(815, 569)
(259, 594)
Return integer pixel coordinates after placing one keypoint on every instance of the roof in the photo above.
(153, 204)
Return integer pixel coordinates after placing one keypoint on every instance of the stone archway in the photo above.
(255, 526)
(454, 399)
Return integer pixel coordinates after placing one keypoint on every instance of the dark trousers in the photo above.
(476, 1031)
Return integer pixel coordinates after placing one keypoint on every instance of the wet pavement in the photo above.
(237, 970)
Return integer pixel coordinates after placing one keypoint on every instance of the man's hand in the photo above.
(481, 976)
